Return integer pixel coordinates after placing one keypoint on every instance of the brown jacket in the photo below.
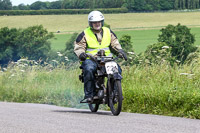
(80, 45)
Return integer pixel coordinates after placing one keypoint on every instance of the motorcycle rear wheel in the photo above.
(115, 100)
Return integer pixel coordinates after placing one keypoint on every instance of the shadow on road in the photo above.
(82, 112)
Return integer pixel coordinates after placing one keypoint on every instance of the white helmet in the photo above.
(95, 16)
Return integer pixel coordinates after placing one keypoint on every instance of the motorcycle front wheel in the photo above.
(115, 99)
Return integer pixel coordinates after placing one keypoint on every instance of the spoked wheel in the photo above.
(94, 107)
(115, 99)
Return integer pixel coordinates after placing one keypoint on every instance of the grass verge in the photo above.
(156, 89)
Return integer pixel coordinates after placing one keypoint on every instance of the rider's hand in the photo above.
(122, 54)
(83, 56)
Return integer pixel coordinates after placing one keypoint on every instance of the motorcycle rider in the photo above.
(94, 38)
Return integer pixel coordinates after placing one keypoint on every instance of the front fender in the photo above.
(117, 76)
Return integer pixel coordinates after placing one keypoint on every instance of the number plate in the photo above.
(111, 67)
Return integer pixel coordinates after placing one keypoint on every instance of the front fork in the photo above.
(110, 87)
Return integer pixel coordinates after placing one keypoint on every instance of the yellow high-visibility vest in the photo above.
(93, 45)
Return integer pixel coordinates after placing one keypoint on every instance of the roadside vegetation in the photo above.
(151, 89)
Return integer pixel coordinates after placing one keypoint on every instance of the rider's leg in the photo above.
(89, 68)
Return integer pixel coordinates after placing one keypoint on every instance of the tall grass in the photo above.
(155, 89)
(39, 84)
(163, 90)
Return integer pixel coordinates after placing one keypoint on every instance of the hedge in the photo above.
(60, 11)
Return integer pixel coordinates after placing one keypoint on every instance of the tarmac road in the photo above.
(40, 118)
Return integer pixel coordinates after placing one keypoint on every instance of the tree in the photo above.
(55, 5)
(33, 43)
(38, 5)
(166, 5)
(140, 5)
(179, 39)
(23, 7)
(5, 5)
(129, 4)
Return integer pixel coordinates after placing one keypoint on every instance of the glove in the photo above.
(122, 54)
(83, 56)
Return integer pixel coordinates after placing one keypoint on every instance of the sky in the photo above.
(17, 2)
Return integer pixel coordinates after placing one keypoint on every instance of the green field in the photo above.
(124, 21)
(140, 38)
(142, 27)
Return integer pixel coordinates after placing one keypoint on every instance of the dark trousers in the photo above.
(90, 68)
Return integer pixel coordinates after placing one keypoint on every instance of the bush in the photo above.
(34, 42)
(126, 43)
(179, 39)
(159, 53)
(8, 46)
(194, 57)
(127, 46)
(31, 43)
(69, 50)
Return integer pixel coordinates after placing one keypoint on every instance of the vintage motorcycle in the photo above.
(111, 93)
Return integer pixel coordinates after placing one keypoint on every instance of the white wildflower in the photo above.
(21, 65)
(178, 61)
(45, 63)
(187, 74)
(23, 60)
(54, 61)
(154, 51)
(60, 54)
(66, 58)
(158, 57)
(4, 69)
(132, 53)
(130, 58)
(36, 63)
(165, 47)
(12, 76)
(22, 70)
(184, 73)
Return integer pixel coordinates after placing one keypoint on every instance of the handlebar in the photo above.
(102, 58)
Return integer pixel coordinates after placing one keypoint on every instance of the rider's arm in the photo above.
(115, 45)
(80, 44)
